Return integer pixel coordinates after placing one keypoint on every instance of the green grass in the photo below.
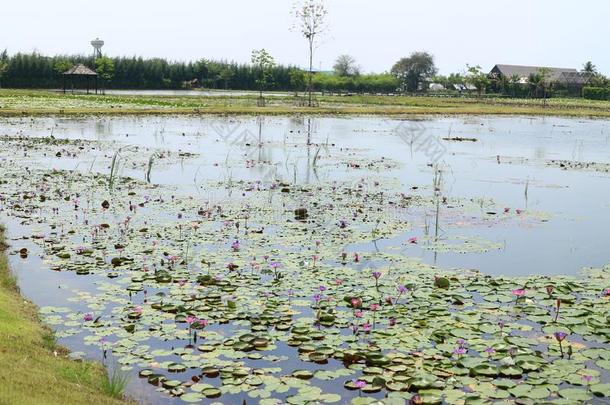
(33, 369)
(116, 383)
(34, 102)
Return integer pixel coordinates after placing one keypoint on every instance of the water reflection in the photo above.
(508, 163)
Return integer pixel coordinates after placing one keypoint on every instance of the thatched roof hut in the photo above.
(80, 70)
(83, 71)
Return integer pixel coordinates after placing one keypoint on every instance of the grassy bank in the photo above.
(32, 102)
(33, 369)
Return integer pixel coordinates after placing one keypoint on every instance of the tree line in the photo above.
(33, 70)
(411, 74)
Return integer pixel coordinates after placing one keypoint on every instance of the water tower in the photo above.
(97, 47)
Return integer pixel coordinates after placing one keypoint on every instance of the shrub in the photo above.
(596, 93)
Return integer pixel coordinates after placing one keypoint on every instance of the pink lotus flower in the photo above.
(376, 275)
(356, 302)
(190, 319)
(607, 292)
(518, 211)
(459, 351)
(375, 307)
(88, 317)
(338, 281)
(413, 240)
(360, 384)
(518, 292)
(235, 246)
(366, 327)
(506, 210)
(358, 314)
(392, 321)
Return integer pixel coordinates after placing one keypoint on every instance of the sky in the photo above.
(553, 33)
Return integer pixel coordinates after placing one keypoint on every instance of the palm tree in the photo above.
(534, 83)
(589, 67)
(514, 81)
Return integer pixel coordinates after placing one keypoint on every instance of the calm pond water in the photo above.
(199, 93)
(509, 164)
(522, 192)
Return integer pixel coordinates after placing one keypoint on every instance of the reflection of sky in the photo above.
(578, 207)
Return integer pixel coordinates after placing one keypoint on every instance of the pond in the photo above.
(197, 93)
(274, 259)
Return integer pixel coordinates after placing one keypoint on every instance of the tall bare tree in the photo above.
(346, 65)
(310, 21)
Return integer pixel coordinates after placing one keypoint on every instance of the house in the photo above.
(524, 72)
(570, 79)
(465, 87)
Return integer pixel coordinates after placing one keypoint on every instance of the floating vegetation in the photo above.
(568, 165)
(269, 296)
(460, 244)
(460, 139)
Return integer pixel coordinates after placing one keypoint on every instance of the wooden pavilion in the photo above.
(84, 73)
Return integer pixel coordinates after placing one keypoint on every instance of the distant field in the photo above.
(30, 102)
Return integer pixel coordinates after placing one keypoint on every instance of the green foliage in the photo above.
(114, 385)
(37, 71)
(373, 83)
(297, 79)
(599, 80)
(264, 63)
(105, 68)
(412, 71)
(596, 93)
(61, 65)
(477, 78)
(3, 65)
(539, 82)
(589, 67)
